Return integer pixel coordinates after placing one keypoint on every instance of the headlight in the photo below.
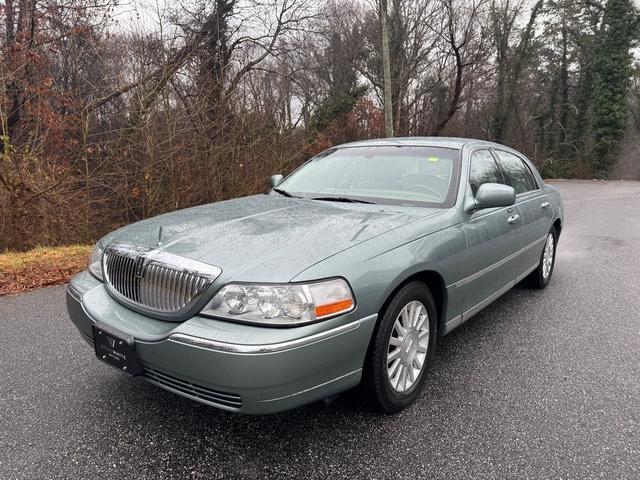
(285, 304)
(95, 262)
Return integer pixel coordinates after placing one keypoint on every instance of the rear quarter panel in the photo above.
(556, 201)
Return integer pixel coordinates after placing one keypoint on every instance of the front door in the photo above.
(492, 240)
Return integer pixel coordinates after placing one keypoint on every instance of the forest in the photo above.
(112, 112)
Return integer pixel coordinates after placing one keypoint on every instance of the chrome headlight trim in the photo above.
(334, 292)
(95, 262)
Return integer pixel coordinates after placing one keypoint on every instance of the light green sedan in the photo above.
(346, 272)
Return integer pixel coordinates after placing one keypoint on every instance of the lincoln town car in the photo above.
(344, 274)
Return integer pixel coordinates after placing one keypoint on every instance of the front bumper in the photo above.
(231, 366)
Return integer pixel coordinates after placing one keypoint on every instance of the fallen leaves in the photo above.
(41, 267)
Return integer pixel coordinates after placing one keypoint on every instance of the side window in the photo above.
(517, 173)
(483, 170)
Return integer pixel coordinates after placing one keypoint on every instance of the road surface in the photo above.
(541, 384)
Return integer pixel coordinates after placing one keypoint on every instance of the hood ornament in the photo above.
(159, 244)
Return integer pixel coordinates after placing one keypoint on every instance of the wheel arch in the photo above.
(434, 281)
(557, 224)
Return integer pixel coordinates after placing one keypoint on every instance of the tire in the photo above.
(541, 276)
(386, 387)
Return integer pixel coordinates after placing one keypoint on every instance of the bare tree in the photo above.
(465, 36)
(102, 125)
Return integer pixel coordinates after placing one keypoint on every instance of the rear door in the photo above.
(534, 206)
(492, 238)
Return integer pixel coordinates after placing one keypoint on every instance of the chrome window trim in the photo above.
(525, 195)
(520, 197)
(267, 348)
(526, 165)
(495, 160)
(467, 184)
(530, 167)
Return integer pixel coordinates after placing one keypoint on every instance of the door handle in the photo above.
(513, 218)
(544, 204)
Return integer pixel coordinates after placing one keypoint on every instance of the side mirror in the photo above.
(275, 180)
(491, 195)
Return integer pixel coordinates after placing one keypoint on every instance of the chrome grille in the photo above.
(154, 280)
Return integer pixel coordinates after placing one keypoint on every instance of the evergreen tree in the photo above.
(338, 60)
(613, 70)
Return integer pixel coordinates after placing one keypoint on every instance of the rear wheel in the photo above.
(540, 277)
(402, 349)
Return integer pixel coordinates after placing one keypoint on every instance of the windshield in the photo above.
(395, 175)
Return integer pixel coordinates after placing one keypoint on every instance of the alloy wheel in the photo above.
(408, 346)
(547, 257)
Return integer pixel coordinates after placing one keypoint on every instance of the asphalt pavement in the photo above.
(541, 384)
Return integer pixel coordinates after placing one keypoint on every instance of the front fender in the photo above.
(376, 276)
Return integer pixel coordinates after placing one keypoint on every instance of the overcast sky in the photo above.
(152, 15)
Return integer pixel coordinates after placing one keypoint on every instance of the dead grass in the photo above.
(41, 267)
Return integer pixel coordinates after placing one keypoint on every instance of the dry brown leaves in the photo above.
(41, 267)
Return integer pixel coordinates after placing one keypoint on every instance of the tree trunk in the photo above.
(386, 67)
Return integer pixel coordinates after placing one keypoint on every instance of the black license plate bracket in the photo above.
(116, 349)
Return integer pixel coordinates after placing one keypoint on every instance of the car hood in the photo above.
(266, 238)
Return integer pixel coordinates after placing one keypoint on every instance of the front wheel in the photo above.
(402, 349)
(540, 277)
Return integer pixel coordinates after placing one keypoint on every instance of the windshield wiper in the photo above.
(284, 193)
(341, 199)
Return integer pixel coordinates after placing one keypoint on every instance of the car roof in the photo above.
(443, 142)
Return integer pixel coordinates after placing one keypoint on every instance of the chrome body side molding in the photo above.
(452, 324)
(267, 348)
(313, 388)
(460, 319)
(493, 266)
(524, 275)
(490, 299)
